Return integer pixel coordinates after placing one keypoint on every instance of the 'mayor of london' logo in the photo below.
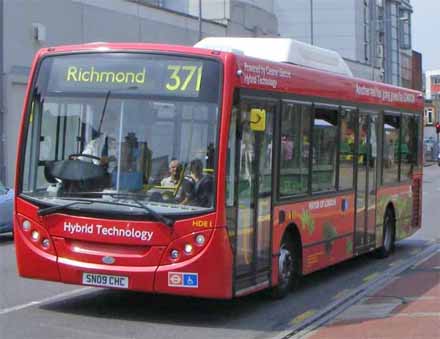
(75, 74)
(111, 231)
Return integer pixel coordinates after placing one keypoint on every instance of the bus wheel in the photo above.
(286, 269)
(388, 235)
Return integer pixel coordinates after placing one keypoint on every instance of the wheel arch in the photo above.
(292, 231)
(390, 207)
(387, 247)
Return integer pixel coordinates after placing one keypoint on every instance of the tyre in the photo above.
(288, 276)
(388, 235)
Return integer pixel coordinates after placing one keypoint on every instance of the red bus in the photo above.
(208, 173)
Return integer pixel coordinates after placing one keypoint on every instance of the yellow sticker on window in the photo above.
(258, 119)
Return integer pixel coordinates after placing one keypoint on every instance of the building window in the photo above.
(366, 32)
(429, 118)
(392, 44)
(181, 6)
(405, 29)
(435, 80)
(406, 70)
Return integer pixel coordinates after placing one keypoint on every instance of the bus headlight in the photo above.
(35, 235)
(188, 248)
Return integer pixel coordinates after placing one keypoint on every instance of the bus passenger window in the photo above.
(390, 156)
(347, 148)
(325, 127)
(295, 141)
(408, 147)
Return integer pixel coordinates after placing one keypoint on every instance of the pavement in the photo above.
(406, 307)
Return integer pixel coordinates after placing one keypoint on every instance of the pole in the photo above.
(436, 155)
(200, 20)
(311, 22)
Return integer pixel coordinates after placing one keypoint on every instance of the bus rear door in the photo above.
(366, 182)
(253, 194)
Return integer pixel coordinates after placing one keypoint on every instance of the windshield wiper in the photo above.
(159, 217)
(135, 198)
(107, 96)
(104, 107)
(52, 209)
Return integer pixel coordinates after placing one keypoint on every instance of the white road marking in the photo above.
(42, 301)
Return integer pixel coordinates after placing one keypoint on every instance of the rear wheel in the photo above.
(288, 276)
(388, 235)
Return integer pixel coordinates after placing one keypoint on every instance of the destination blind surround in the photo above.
(131, 74)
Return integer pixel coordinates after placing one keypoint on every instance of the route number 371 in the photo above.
(181, 77)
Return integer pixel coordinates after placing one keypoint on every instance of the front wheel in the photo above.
(388, 236)
(287, 269)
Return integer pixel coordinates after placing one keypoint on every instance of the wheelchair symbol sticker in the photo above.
(179, 279)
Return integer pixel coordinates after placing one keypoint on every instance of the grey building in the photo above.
(432, 103)
(374, 36)
(28, 25)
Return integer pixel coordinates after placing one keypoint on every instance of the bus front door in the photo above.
(366, 182)
(253, 195)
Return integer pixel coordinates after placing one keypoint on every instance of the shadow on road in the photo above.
(256, 312)
(166, 309)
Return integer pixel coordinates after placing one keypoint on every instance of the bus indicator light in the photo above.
(174, 254)
(200, 239)
(26, 225)
(45, 243)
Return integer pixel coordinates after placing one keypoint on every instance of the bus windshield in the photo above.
(112, 125)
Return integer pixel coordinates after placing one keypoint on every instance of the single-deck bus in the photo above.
(210, 171)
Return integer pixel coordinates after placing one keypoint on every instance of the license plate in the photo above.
(104, 280)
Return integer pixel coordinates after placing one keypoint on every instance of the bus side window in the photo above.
(295, 148)
(347, 148)
(325, 130)
(390, 148)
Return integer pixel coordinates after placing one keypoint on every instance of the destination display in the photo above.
(131, 73)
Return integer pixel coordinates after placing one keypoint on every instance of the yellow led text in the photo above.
(202, 223)
(75, 74)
